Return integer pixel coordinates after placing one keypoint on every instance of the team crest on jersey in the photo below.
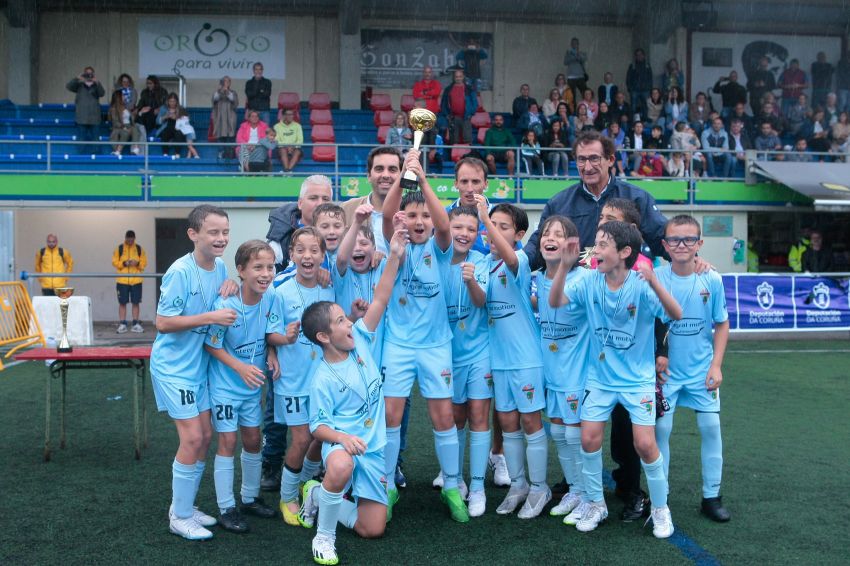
(488, 378)
(426, 259)
(714, 394)
(447, 376)
(646, 403)
(383, 481)
(572, 401)
(705, 294)
(503, 278)
(177, 302)
(529, 391)
(272, 317)
(632, 310)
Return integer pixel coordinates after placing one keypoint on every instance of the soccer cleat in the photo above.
(438, 481)
(515, 496)
(392, 499)
(199, 516)
(662, 522)
(309, 506)
(476, 503)
(122, 328)
(188, 528)
(233, 521)
(271, 478)
(137, 328)
(289, 517)
(564, 507)
(454, 501)
(258, 508)
(400, 480)
(712, 507)
(534, 503)
(324, 550)
(594, 514)
(501, 478)
(576, 514)
(636, 506)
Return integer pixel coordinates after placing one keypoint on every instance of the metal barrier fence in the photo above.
(19, 326)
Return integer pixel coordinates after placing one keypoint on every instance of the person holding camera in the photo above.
(88, 91)
(731, 93)
(129, 258)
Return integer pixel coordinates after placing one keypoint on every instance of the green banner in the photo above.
(733, 192)
(664, 190)
(72, 186)
(497, 189)
(245, 187)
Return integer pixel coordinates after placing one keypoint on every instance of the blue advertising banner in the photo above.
(821, 301)
(765, 303)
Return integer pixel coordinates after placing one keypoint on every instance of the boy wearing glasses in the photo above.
(696, 353)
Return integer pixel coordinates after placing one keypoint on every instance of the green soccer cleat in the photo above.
(392, 499)
(309, 504)
(324, 551)
(454, 501)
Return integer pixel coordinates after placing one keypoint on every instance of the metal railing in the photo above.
(30, 276)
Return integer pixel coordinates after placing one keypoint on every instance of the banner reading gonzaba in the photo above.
(199, 47)
(395, 58)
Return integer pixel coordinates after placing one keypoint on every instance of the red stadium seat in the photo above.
(289, 100)
(480, 106)
(384, 118)
(459, 151)
(481, 133)
(323, 133)
(324, 153)
(319, 100)
(481, 120)
(381, 102)
(382, 134)
(320, 116)
(407, 102)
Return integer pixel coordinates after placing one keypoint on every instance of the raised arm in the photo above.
(384, 289)
(569, 256)
(671, 307)
(392, 202)
(442, 233)
(497, 241)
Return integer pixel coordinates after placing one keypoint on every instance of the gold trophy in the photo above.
(64, 293)
(421, 120)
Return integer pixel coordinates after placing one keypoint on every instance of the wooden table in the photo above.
(133, 358)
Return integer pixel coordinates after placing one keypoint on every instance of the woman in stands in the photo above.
(550, 106)
(249, 135)
(673, 76)
(583, 120)
(589, 104)
(128, 91)
(654, 109)
(557, 141)
(603, 117)
(150, 101)
(167, 122)
(841, 133)
(400, 135)
(225, 101)
(123, 127)
(676, 108)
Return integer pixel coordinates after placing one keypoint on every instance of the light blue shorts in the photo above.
(368, 480)
(564, 405)
(292, 411)
(432, 366)
(181, 401)
(598, 404)
(694, 396)
(229, 414)
(519, 390)
(473, 381)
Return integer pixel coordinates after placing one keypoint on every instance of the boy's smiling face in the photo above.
(258, 273)
(212, 239)
(551, 242)
(361, 256)
(504, 223)
(606, 254)
(464, 229)
(307, 255)
(331, 228)
(419, 224)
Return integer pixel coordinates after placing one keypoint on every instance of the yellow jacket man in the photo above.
(129, 258)
(53, 259)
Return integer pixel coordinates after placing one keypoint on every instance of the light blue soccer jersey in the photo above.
(470, 337)
(624, 321)
(416, 314)
(691, 339)
(298, 361)
(289, 271)
(348, 396)
(353, 286)
(564, 337)
(514, 334)
(179, 357)
(245, 340)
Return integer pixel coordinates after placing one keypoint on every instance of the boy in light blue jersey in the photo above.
(417, 342)
(299, 359)
(564, 345)
(329, 219)
(347, 415)
(694, 373)
(236, 376)
(179, 361)
(515, 359)
(621, 308)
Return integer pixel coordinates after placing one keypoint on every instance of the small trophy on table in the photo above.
(421, 120)
(64, 293)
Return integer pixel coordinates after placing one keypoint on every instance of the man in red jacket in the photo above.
(429, 90)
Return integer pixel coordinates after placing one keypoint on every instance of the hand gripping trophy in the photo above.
(421, 120)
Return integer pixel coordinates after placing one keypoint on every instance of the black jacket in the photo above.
(819, 261)
(283, 220)
(259, 94)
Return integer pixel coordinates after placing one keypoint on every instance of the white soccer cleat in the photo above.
(501, 477)
(188, 528)
(464, 490)
(576, 514)
(535, 503)
(122, 328)
(568, 502)
(662, 522)
(438, 481)
(476, 503)
(515, 496)
(324, 550)
(199, 516)
(595, 513)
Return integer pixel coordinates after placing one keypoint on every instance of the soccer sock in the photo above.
(537, 453)
(572, 434)
(461, 452)
(391, 454)
(200, 466)
(656, 481)
(347, 513)
(309, 469)
(663, 430)
(711, 453)
(445, 444)
(252, 470)
(558, 432)
(514, 457)
(592, 471)
(479, 453)
(223, 479)
(329, 504)
(182, 489)
(289, 484)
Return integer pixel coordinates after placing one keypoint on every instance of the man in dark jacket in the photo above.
(818, 258)
(258, 91)
(87, 90)
(457, 105)
(639, 82)
(731, 93)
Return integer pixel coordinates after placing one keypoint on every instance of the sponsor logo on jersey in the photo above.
(616, 339)
(687, 326)
(500, 309)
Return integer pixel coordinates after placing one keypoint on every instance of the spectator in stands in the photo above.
(167, 122)
(698, 113)
(830, 108)
(184, 126)
(684, 139)
(500, 137)
(258, 92)
(822, 72)
(739, 140)
(650, 164)
(673, 77)
(400, 134)
(550, 105)
(767, 140)
(53, 259)
(739, 112)
(533, 120)
(654, 108)
(522, 103)
(589, 104)
(531, 154)
(618, 136)
(563, 115)
(470, 60)
(87, 92)
(637, 141)
(676, 108)
(583, 119)
(656, 137)
(715, 146)
(565, 92)
(429, 90)
(815, 130)
(797, 114)
(603, 118)
(792, 81)
(842, 81)
(731, 93)
(457, 106)
(575, 61)
(251, 131)
(620, 108)
(225, 101)
(676, 166)
(801, 152)
(607, 91)
(260, 158)
(759, 82)
(151, 99)
(639, 81)
(129, 259)
(128, 91)
(768, 114)
(817, 258)
(556, 141)
(123, 128)
(289, 136)
(840, 133)
(795, 254)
